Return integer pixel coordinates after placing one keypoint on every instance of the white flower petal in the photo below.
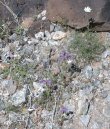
(87, 9)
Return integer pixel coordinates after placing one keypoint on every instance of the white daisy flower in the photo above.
(87, 9)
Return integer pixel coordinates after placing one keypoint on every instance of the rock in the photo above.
(52, 27)
(13, 36)
(97, 125)
(14, 117)
(3, 118)
(85, 119)
(106, 53)
(58, 35)
(21, 8)
(42, 15)
(9, 85)
(103, 94)
(83, 106)
(108, 98)
(19, 97)
(88, 72)
(96, 72)
(106, 110)
(39, 35)
(27, 22)
(2, 105)
(38, 89)
(33, 41)
(69, 105)
(105, 64)
(47, 35)
(43, 18)
(52, 42)
(80, 14)
(58, 28)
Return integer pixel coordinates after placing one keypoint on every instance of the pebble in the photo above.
(47, 35)
(106, 53)
(58, 35)
(2, 105)
(43, 13)
(85, 119)
(43, 18)
(19, 97)
(83, 106)
(97, 125)
(38, 89)
(88, 72)
(13, 36)
(106, 110)
(52, 27)
(52, 43)
(39, 35)
(9, 86)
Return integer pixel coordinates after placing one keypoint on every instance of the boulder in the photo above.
(22, 8)
(80, 13)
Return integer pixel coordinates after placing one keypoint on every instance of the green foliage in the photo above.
(17, 71)
(19, 30)
(86, 45)
(4, 31)
(12, 108)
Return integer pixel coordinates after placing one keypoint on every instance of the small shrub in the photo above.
(4, 30)
(17, 71)
(86, 45)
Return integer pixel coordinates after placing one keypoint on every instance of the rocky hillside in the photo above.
(52, 76)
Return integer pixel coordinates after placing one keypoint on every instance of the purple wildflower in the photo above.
(64, 55)
(46, 82)
(63, 109)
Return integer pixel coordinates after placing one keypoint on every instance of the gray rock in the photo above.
(97, 83)
(106, 110)
(83, 106)
(2, 105)
(14, 117)
(58, 28)
(106, 53)
(9, 86)
(88, 72)
(85, 119)
(13, 36)
(39, 89)
(105, 64)
(28, 49)
(19, 97)
(52, 27)
(96, 72)
(108, 98)
(39, 35)
(97, 125)
(104, 94)
(52, 42)
(69, 104)
(47, 35)
(33, 41)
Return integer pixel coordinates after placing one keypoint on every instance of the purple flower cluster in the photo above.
(46, 82)
(63, 109)
(64, 55)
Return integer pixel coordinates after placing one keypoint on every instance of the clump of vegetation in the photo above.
(17, 71)
(86, 45)
(4, 31)
(19, 30)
